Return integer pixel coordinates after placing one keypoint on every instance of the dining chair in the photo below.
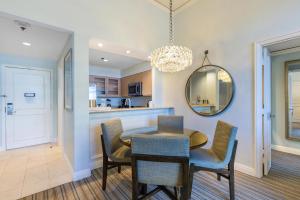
(170, 124)
(219, 158)
(162, 161)
(115, 154)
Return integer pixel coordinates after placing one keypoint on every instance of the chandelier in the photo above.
(223, 76)
(171, 58)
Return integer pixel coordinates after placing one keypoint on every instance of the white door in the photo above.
(28, 112)
(267, 105)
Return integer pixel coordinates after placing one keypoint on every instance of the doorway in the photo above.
(28, 116)
(263, 96)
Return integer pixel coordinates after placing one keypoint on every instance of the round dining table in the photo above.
(197, 138)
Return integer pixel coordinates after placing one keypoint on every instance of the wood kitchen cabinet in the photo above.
(106, 86)
(144, 77)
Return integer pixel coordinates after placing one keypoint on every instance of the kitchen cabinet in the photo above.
(106, 86)
(144, 77)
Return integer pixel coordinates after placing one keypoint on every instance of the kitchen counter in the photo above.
(99, 110)
(131, 118)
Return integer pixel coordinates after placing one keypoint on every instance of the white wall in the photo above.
(144, 66)
(228, 30)
(278, 100)
(104, 71)
(65, 118)
(6, 59)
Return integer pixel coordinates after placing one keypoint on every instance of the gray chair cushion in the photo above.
(112, 130)
(218, 156)
(223, 142)
(158, 173)
(122, 154)
(170, 124)
(206, 158)
(164, 145)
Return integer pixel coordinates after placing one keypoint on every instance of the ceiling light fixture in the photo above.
(100, 45)
(128, 51)
(171, 58)
(26, 44)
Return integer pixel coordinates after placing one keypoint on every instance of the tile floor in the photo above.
(30, 170)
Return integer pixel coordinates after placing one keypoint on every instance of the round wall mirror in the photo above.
(209, 90)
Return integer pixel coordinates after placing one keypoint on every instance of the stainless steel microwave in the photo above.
(135, 89)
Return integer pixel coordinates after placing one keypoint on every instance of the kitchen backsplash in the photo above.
(116, 102)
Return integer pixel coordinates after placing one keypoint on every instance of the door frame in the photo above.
(258, 125)
(52, 137)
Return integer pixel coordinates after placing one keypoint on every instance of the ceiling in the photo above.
(115, 61)
(177, 4)
(46, 43)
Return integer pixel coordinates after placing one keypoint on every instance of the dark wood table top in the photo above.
(197, 139)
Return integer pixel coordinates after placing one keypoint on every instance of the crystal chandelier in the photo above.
(171, 58)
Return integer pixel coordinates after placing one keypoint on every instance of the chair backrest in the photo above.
(224, 141)
(170, 124)
(160, 160)
(111, 131)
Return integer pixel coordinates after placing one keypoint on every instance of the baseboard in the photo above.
(245, 169)
(68, 163)
(78, 175)
(53, 140)
(286, 149)
(2, 149)
(96, 161)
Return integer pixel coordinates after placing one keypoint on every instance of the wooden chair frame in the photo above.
(184, 161)
(108, 164)
(227, 173)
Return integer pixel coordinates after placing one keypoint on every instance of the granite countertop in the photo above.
(98, 110)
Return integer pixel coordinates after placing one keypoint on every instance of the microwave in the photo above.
(135, 89)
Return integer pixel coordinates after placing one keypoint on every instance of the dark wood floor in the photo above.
(283, 182)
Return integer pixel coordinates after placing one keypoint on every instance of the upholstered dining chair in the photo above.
(170, 124)
(115, 154)
(160, 160)
(219, 158)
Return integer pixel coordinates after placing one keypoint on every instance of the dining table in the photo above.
(197, 138)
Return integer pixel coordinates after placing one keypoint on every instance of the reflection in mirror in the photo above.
(209, 90)
(292, 69)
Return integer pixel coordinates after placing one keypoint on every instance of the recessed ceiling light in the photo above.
(26, 44)
(100, 45)
(128, 51)
(149, 57)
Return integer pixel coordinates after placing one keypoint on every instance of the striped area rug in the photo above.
(283, 182)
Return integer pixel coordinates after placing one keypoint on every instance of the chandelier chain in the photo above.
(171, 36)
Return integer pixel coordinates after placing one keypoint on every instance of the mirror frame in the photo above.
(220, 111)
(286, 77)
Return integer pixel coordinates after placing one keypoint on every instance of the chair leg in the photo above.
(119, 169)
(190, 186)
(231, 184)
(104, 173)
(218, 177)
(143, 188)
(184, 193)
(135, 190)
(175, 192)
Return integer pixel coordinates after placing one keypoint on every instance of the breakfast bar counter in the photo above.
(131, 118)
